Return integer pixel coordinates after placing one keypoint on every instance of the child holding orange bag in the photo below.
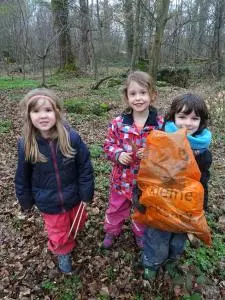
(162, 247)
(124, 146)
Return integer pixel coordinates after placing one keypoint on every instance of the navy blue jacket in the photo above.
(204, 161)
(60, 183)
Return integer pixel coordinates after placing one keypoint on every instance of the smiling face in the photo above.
(43, 117)
(138, 97)
(189, 121)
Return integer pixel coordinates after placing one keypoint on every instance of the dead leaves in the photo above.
(29, 271)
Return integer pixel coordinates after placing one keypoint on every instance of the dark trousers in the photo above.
(161, 245)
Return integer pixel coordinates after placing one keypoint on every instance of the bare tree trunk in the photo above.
(218, 26)
(177, 32)
(203, 17)
(84, 57)
(162, 14)
(136, 36)
(93, 59)
(45, 54)
(192, 36)
(129, 20)
(142, 22)
(25, 38)
(60, 12)
(104, 50)
(92, 55)
(106, 21)
(43, 83)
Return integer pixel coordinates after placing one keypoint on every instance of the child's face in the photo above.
(43, 117)
(138, 97)
(189, 121)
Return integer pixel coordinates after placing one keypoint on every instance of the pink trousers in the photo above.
(58, 227)
(118, 210)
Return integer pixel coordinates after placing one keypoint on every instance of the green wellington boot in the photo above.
(149, 274)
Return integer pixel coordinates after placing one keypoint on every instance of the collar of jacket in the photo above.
(151, 120)
(42, 140)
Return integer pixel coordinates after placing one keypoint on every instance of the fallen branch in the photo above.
(95, 87)
(98, 83)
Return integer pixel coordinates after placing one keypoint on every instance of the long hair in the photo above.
(143, 79)
(30, 133)
(190, 102)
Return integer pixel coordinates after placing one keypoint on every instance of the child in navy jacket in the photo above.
(54, 171)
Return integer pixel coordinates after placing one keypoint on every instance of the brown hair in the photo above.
(142, 78)
(30, 133)
(191, 102)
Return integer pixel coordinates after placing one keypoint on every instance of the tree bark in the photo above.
(84, 51)
(60, 13)
(218, 27)
(162, 14)
(203, 17)
(135, 51)
(104, 50)
(128, 27)
(106, 21)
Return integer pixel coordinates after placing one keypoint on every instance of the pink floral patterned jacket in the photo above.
(124, 136)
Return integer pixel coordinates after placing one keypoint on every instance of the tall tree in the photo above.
(217, 37)
(136, 35)
(106, 21)
(104, 53)
(202, 22)
(162, 7)
(84, 51)
(60, 12)
(128, 26)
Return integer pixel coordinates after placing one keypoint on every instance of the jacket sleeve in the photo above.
(23, 179)
(111, 146)
(204, 161)
(85, 172)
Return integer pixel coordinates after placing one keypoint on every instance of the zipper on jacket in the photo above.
(58, 180)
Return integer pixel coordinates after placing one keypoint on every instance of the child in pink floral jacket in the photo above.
(124, 146)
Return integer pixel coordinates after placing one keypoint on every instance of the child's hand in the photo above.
(140, 153)
(125, 158)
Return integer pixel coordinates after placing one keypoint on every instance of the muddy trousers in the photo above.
(117, 212)
(58, 227)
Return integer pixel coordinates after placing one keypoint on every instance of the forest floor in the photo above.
(29, 270)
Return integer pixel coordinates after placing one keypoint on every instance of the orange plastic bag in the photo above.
(171, 192)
